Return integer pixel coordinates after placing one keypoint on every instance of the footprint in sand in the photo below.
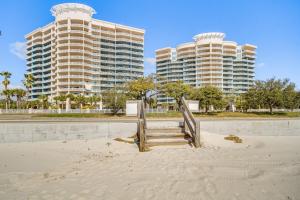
(254, 173)
(293, 170)
(258, 145)
(210, 186)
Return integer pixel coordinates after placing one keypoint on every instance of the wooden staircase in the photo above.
(188, 133)
(166, 137)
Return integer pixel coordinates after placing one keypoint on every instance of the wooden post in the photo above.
(184, 125)
(139, 109)
(141, 136)
(197, 134)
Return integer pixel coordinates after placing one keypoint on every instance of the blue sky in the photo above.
(272, 25)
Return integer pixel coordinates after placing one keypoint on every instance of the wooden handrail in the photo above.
(186, 108)
(190, 122)
(142, 124)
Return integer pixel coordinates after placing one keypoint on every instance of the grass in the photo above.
(79, 115)
(250, 115)
(228, 115)
(175, 114)
(164, 115)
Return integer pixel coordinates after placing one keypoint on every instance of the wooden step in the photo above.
(165, 135)
(164, 130)
(167, 142)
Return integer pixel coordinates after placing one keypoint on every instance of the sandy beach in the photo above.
(262, 167)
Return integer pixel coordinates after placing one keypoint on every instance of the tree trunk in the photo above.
(206, 108)
(145, 100)
(271, 109)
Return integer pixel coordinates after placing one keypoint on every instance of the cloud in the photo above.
(149, 65)
(150, 61)
(13, 86)
(260, 64)
(18, 49)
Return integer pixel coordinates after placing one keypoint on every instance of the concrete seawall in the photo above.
(43, 131)
(33, 131)
(275, 127)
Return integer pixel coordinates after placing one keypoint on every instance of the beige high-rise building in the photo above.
(208, 60)
(80, 55)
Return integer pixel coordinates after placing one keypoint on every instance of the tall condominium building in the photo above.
(208, 60)
(80, 55)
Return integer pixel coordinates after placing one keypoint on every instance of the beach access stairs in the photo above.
(186, 133)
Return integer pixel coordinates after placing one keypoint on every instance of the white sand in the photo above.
(263, 167)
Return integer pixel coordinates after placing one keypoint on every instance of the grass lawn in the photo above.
(228, 114)
(79, 115)
(175, 114)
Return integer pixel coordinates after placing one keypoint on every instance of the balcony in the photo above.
(74, 77)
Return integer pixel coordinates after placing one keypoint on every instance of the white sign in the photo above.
(193, 105)
(132, 108)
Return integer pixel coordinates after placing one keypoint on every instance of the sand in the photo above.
(262, 167)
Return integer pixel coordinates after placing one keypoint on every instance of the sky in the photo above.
(272, 25)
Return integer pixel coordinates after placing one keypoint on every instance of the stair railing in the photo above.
(142, 125)
(190, 122)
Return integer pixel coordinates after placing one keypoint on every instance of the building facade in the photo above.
(208, 60)
(77, 54)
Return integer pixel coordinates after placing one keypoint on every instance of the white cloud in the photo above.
(260, 64)
(13, 86)
(150, 61)
(149, 65)
(18, 49)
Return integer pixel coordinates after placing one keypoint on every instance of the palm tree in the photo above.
(56, 99)
(5, 83)
(19, 93)
(80, 100)
(94, 99)
(28, 82)
(7, 93)
(61, 99)
(44, 100)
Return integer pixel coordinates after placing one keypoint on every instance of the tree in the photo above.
(176, 90)
(34, 104)
(291, 97)
(138, 88)
(272, 91)
(61, 99)
(28, 82)
(93, 99)
(253, 98)
(43, 100)
(7, 93)
(80, 100)
(114, 99)
(5, 84)
(20, 94)
(208, 96)
(153, 102)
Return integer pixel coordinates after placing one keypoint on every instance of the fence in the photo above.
(55, 111)
(149, 110)
(274, 110)
(156, 110)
